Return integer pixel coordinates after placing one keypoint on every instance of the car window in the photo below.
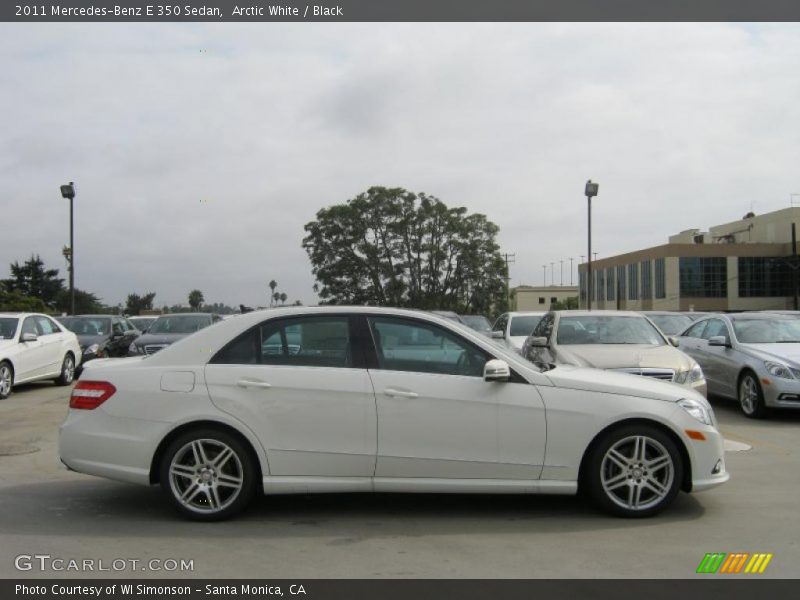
(500, 324)
(29, 326)
(8, 327)
(608, 329)
(407, 345)
(523, 325)
(696, 331)
(180, 324)
(545, 327)
(767, 331)
(716, 327)
(46, 326)
(671, 324)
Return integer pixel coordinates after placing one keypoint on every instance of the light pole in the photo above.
(562, 272)
(590, 191)
(570, 271)
(68, 191)
(544, 275)
(552, 275)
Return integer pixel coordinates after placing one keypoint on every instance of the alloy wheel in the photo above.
(637, 473)
(6, 380)
(68, 369)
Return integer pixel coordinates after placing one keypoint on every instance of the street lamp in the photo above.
(570, 271)
(544, 275)
(68, 192)
(562, 272)
(552, 273)
(590, 191)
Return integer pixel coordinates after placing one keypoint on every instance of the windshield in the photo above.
(87, 325)
(141, 323)
(8, 328)
(180, 324)
(477, 322)
(671, 324)
(767, 331)
(523, 325)
(607, 330)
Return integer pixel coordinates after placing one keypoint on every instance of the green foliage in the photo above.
(392, 247)
(17, 302)
(136, 303)
(86, 303)
(33, 280)
(195, 299)
(568, 304)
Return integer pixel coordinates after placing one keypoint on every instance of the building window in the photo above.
(661, 279)
(553, 300)
(541, 299)
(621, 282)
(647, 286)
(633, 281)
(610, 290)
(703, 277)
(601, 285)
(761, 277)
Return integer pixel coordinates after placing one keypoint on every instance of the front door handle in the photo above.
(249, 383)
(400, 393)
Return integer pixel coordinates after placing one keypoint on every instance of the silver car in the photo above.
(612, 340)
(752, 357)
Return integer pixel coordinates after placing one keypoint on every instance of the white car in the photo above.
(35, 347)
(359, 399)
(514, 328)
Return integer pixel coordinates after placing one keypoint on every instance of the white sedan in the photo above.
(34, 347)
(346, 399)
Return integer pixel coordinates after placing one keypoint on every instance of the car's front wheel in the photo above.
(635, 471)
(751, 398)
(208, 475)
(67, 374)
(6, 380)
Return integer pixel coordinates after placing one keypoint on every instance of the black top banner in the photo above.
(400, 10)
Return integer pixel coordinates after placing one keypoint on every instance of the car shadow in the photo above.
(81, 507)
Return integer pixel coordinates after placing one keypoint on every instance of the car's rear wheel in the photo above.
(6, 380)
(67, 375)
(751, 398)
(208, 475)
(635, 471)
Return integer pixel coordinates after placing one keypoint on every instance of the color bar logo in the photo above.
(737, 562)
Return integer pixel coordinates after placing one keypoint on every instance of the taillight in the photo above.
(90, 394)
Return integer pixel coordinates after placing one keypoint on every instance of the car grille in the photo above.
(153, 348)
(665, 374)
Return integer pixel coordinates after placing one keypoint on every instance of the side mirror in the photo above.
(28, 337)
(498, 335)
(673, 340)
(719, 340)
(538, 342)
(496, 370)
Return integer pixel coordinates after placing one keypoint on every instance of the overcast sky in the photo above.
(200, 151)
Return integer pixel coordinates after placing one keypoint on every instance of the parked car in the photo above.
(670, 323)
(694, 315)
(448, 314)
(34, 347)
(612, 340)
(478, 323)
(142, 323)
(168, 329)
(101, 336)
(515, 327)
(752, 357)
(380, 399)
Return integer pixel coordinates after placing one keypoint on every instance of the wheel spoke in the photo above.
(616, 482)
(618, 458)
(190, 493)
(199, 453)
(229, 480)
(213, 497)
(222, 458)
(659, 463)
(656, 486)
(640, 450)
(182, 471)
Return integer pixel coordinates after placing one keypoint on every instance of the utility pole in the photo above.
(552, 275)
(570, 271)
(544, 275)
(590, 191)
(562, 272)
(510, 259)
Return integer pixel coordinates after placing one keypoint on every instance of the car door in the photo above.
(31, 359)
(690, 341)
(52, 344)
(438, 418)
(720, 370)
(298, 384)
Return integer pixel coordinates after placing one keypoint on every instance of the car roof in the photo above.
(599, 313)
(666, 313)
(19, 315)
(87, 316)
(184, 314)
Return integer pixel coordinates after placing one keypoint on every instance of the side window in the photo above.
(29, 326)
(696, 331)
(715, 327)
(500, 324)
(407, 345)
(46, 326)
(116, 326)
(545, 327)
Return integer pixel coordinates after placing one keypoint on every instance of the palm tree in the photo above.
(275, 297)
(195, 299)
(272, 285)
(283, 298)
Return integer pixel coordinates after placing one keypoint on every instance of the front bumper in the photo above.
(780, 393)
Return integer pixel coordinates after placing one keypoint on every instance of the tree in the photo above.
(195, 299)
(283, 298)
(388, 246)
(18, 302)
(33, 280)
(275, 298)
(137, 303)
(272, 285)
(86, 303)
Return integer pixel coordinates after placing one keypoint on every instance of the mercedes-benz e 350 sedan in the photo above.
(346, 399)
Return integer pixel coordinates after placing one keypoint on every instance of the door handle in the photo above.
(248, 383)
(400, 393)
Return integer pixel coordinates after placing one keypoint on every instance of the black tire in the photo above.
(638, 480)
(184, 472)
(67, 375)
(751, 396)
(6, 379)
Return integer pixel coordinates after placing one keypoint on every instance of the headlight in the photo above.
(693, 375)
(778, 370)
(132, 348)
(697, 410)
(93, 349)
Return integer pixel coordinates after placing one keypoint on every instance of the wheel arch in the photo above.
(202, 424)
(686, 484)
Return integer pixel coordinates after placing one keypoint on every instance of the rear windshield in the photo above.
(180, 324)
(607, 330)
(87, 325)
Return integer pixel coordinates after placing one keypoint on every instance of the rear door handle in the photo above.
(249, 383)
(400, 393)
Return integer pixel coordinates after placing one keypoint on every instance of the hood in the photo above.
(87, 340)
(517, 341)
(777, 352)
(7, 343)
(620, 356)
(596, 380)
(159, 338)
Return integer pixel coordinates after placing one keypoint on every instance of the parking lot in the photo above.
(47, 510)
